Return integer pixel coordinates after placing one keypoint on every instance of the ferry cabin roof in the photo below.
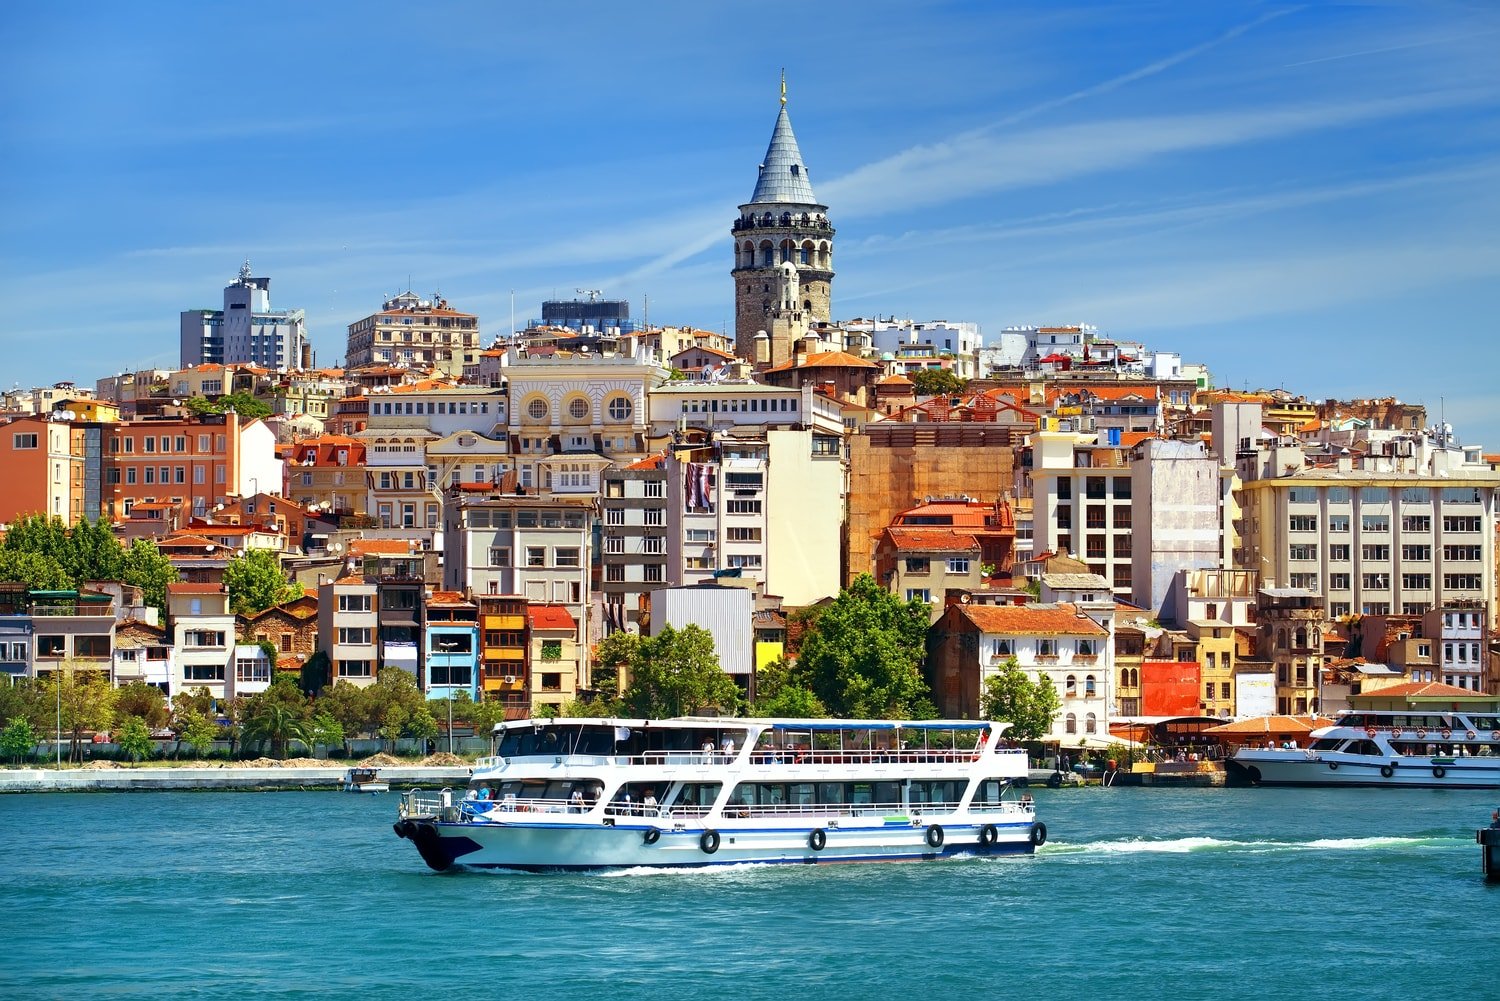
(615, 736)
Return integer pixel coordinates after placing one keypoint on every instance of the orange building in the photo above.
(195, 461)
(45, 465)
(328, 472)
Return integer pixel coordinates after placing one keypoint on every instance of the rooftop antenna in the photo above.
(592, 293)
(783, 86)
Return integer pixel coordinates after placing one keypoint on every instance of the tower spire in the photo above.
(783, 86)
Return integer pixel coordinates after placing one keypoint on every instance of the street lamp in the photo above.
(57, 680)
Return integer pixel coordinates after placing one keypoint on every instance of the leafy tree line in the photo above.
(43, 553)
(273, 721)
(46, 555)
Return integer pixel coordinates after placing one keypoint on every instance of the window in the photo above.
(1463, 554)
(918, 564)
(1416, 523)
(354, 602)
(1462, 524)
(1122, 487)
(1339, 582)
(29, 440)
(203, 672)
(1302, 551)
(651, 573)
(1379, 554)
(614, 516)
(355, 669)
(700, 536)
(1376, 581)
(620, 408)
(614, 573)
(1420, 554)
(1304, 523)
(1460, 495)
(746, 562)
(743, 534)
(210, 638)
(537, 410)
(1302, 495)
(355, 635)
(1002, 647)
(744, 507)
(1416, 581)
(51, 646)
(1305, 581)
(552, 649)
(578, 408)
(1462, 581)
(536, 556)
(1122, 517)
(1338, 553)
(655, 545)
(499, 556)
(1338, 523)
(654, 517)
(653, 488)
(1046, 648)
(1376, 523)
(565, 556)
(958, 564)
(251, 669)
(918, 594)
(1087, 648)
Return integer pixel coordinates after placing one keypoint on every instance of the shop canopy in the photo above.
(1259, 727)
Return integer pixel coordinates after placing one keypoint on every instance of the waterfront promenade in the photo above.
(217, 778)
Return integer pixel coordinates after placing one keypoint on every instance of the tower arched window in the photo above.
(807, 305)
(1124, 677)
(1070, 686)
(1091, 723)
(1070, 724)
(786, 218)
(1088, 687)
(766, 219)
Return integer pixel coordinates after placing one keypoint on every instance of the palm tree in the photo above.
(279, 724)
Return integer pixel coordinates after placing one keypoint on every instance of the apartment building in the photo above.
(1291, 627)
(415, 333)
(556, 659)
(348, 628)
(51, 465)
(971, 643)
(634, 558)
(196, 461)
(1407, 526)
(505, 645)
(202, 629)
(452, 645)
(949, 544)
(246, 329)
(327, 473)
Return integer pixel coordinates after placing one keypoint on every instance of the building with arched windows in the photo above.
(782, 223)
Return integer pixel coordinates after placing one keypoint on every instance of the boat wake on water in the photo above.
(1185, 846)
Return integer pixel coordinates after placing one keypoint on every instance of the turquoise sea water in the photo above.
(1201, 893)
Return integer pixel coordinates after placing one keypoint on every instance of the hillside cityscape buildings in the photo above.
(483, 512)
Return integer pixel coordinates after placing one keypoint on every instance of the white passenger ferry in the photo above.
(601, 793)
(1434, 749)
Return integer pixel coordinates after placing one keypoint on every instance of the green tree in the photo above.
(677, 672)
(349, 705)
(144, 566)
(247, 406)
(316, 671)
(327, 731)
(134, 739)
(87, 701)
(780, 690)
(483, 715)
(27, 699)
(275, 723)
(18, 739)
(92, 552)
(863, 655)
(144, 702)
(38, 533)
(256, 582)
(1029, 706)
(38, 571)
(937, 382)
(277, 716)
(200, 731)
(420, 723)
(394, 702)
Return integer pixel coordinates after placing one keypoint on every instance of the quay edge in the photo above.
(214, 779)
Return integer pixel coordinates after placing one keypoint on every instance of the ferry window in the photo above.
(1326, 744)
(743, 794)
(886, 792)
(833, 792)
(802, 793)
(991, 790)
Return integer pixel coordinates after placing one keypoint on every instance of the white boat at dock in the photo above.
(365, 779)
(691, 792)
(1406, 748)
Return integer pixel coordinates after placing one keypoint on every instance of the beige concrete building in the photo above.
(416, 333)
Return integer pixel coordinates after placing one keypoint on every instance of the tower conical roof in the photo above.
(783, 175)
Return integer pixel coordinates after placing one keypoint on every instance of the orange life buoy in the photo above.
(1421, 733)
(1447, 733)
(1395, 731)
(1470, 735)
(1370, 733)
(1495, 734)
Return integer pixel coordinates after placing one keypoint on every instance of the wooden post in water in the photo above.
(1489, 852)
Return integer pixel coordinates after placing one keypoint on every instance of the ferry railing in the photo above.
(762, 756)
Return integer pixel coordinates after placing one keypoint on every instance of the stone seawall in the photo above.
(215, 779)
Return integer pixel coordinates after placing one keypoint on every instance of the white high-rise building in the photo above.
(246, 331)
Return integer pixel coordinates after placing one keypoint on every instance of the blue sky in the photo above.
(1299, 196)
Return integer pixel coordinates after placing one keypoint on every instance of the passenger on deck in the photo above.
(729, 747)
(1495, 817)
(575, 801)
(648, 802)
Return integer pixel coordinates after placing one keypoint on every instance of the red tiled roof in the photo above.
(372, 547)
(1130, 439)
(190, 588)
(447, 598)
(1032, 620)
(649, 462)
(823, 359)
(931, 539)
(550, 617)
(1423, 689)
